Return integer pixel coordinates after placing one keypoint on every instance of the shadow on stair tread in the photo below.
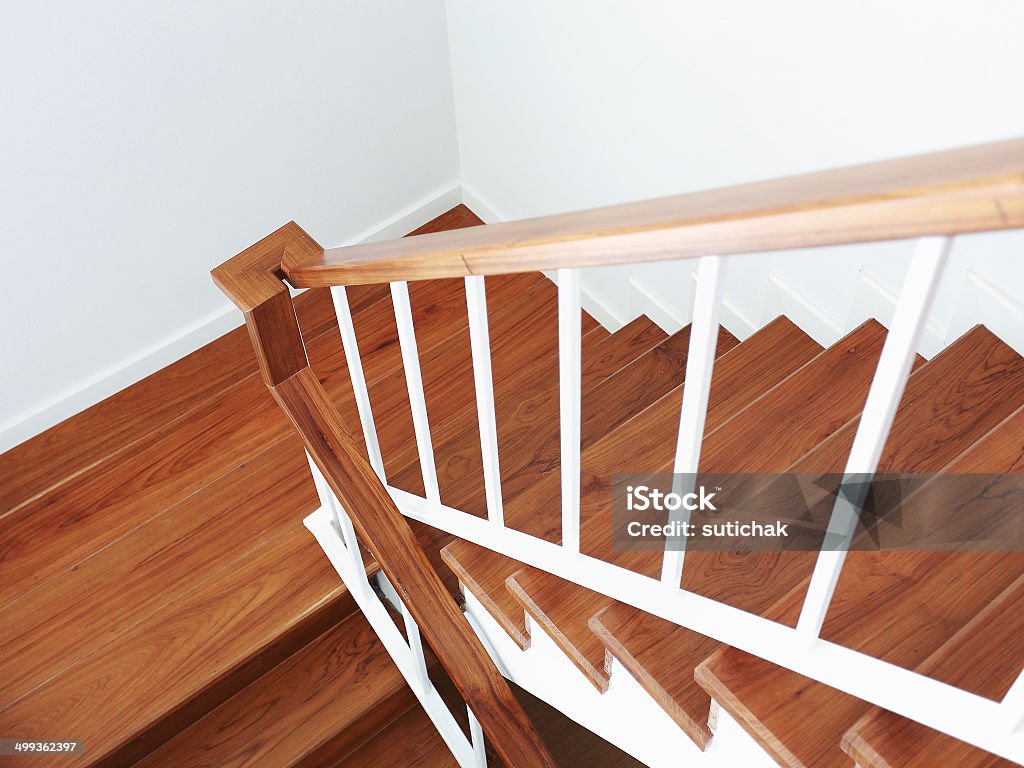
(915, 618)
(650, 434)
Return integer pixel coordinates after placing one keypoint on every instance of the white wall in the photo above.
(141, 144)
(568, 105)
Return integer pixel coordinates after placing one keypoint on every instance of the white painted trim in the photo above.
(150, 359)
(808, 316)
(881, 304)
(670, 319)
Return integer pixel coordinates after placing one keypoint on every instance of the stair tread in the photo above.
(649, 437)
(298, 706)
(646, 645)
(528, 309)
(83, 609)
(885, 602)
(53, 531)
(81, 441)
(601, 358)
(155, 679)
(411, 741)
(984, 657)
(932, 415)
(619, 348)
(564, 609)
(157, 582)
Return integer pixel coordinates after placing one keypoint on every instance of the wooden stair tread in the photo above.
(897, 605)
(984, 657)
(448, 381)
(411, 741)
(619, 348)
(84, 608)
(172, 571)
(185, 658)
(525, 424)
(600, 359)
(646, 646)
(322, 701)
(650, 436)
(564, 609)
(946, 407)
(53, 531)
(83, 440)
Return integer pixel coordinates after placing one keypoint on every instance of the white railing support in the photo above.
(570, 361)
(412, 634)
(480, 344)
(355, 372)
(414, 382)
(1012, 706)
(476, 737)
(890, 379)
(700, 362)
(346, 532)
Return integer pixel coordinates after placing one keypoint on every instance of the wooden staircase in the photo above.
(162, 601)
(963, 411)
(160, 598)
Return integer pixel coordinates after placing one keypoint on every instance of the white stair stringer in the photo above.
(626, 715)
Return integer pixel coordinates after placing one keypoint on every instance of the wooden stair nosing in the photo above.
(225, 632)
(864, 569)
(630, 636)
(305, 721)
(577, 637)
(111, 591)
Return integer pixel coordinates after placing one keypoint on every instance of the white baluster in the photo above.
(355, 372)
(412, 634)
(346, 532)
(890, 379)
(569, 383)
(414, 382)
(476, 736)
(479, 339)
(700, 362)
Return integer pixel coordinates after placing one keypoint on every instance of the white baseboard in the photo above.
(152, 358)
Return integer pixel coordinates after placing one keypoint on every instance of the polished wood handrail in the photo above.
(964, 190)
(253, 281)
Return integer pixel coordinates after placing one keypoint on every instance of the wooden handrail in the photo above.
(972, 189)
(252, 280)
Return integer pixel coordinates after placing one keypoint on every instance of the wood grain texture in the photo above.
(904, 607)
(148, 684)
(384, 532)
(91, 436)
(524, 373)
(646, 646)
(84, 608)
(411, 741)
(949, 404)
(964, 190)
(331, 694)
(563, 608)
(647, 440)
